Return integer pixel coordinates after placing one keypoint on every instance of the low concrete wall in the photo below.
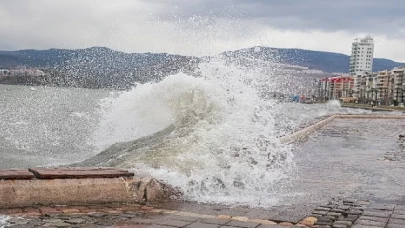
(34, 192)
(22, 193)
(303, 134)
(369, 116)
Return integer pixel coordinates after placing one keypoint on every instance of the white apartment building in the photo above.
(361, 60)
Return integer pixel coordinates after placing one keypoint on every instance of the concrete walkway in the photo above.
(338, 213)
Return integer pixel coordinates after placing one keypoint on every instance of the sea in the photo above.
(216, 136)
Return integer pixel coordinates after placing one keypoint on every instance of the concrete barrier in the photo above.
(369, 116)
(23, 193)
(303, 134)
(15, 192)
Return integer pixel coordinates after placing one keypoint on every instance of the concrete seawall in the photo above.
(303, 134)
(76, 186)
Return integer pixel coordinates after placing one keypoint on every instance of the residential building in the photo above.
(336, 87)
(361, 61)
(399, 84)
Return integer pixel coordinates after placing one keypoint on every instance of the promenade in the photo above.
(349, 173)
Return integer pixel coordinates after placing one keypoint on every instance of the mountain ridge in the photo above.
(330, 62)
(101, 67)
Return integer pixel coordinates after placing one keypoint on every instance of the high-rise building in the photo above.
(361, 60)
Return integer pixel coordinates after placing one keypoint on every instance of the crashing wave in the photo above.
(211, 136)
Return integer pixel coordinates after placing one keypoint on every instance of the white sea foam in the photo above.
(3, 221)
(215, 134)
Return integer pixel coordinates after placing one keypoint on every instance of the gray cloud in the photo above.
(359, 16)
(200, 26)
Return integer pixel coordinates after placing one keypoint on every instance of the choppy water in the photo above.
(46, 126)
(215, 136)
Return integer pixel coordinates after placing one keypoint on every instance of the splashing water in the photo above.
(212, 135)
(3, 221)
(332, 103)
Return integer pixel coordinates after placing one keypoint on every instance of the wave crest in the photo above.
(212, 136)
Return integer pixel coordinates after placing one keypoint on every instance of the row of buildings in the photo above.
(361, 84)
(384, 87)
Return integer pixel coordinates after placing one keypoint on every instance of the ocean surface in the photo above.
(214, 136)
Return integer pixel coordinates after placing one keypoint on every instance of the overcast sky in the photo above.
(201, 27)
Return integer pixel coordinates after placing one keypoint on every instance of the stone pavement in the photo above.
(349, 158)
(337, 213)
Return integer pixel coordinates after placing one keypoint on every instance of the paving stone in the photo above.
(377, 214)
(400, 207)
(386, 207)
(349, 201)
(292, 214)
(97, 215)
(354, 212)
(269, 226)
(351, 219)
(334, 214)
(364, 226)
(347, 223)
(336, 210)
(170, 222)
(333, 218)
(315, 215)
(320, 212)
(151, 226)
(202, 225)
(322, 209)
(242, 224)
(75, 221)
(370, 223)
(398, 216)
(323, 221)
(262, 214)
(79, 172)
(391, 225)
(146, 220)
(184, 218)
(398, 212)
(215, 221)
(397, 221)
(371, 218)
(339, 226)
(309, 221)
(129, 216)
(344, 207)
(288, 224)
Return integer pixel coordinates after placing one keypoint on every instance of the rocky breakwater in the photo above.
(78, 186)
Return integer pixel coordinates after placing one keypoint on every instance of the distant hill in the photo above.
(100, 67)
(329, 62)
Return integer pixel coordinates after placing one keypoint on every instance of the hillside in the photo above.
(96, 67)
(329, 62)
(100, 67)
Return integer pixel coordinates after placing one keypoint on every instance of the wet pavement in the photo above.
(357, 158)
(348, 174)
(337, 213)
